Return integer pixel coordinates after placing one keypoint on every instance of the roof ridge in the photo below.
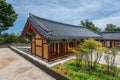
(69, 25)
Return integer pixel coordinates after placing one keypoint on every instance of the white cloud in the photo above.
(58, 12)
(108, 20)
(101, 12)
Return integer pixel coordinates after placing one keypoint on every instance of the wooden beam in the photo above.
(63, 46)
(35, 30)
(74, 44)
(31, 47)
(49, 53)
(38, 45)
(57, 49)
(113, 44)
(22, 34)
(66, 47)
(35, 46)
(26, 30)
(42, 49)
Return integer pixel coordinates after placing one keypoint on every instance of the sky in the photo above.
(100, 12)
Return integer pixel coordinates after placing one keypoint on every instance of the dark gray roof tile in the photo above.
(110, 35)
(60, 30)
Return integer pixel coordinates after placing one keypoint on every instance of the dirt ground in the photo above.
(14, 67)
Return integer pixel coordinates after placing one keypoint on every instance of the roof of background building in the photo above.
(56, 30)
(110, 35)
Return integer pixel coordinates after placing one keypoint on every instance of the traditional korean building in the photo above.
(52, 39)
(110, 39)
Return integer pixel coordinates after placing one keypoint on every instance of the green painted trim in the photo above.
(65, 40)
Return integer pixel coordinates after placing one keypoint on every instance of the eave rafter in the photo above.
(28, 27)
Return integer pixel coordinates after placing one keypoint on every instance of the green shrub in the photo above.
(13, 38)
(78, 73)
(25, 40)
(1, 39)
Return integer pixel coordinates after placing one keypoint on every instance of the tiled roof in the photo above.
(56, 30)
(110, 35)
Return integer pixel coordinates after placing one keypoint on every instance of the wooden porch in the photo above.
(54, 56)
(60, 50)
(111, 43)
(51, 50)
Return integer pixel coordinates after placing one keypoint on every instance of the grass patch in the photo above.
(73, 72)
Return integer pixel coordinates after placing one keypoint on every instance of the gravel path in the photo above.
(14, 67)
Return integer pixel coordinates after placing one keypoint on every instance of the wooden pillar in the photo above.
(113, 44)
(66, 47)
(75, 44)
(35, 47)
(56, 49)
(63, 45)
(42, 49)
(104, 43)
(49, 53)
(31, 47)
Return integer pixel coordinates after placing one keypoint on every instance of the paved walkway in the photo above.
(14, 67)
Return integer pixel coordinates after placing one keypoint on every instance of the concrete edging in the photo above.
(44, 67)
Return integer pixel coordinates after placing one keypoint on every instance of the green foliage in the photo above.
(89, 67)
(7, 15)
(79, 55)
(12, 38)
(1, 39)
(110, 57)
(112, 27)
(90, 25)
(25, 40)
(6, 37)
(76, 73)
(86, 50)
(91, 44)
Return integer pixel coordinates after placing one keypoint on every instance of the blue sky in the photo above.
(100, 12)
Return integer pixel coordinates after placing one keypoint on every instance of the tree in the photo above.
(79, 55)
(89, 51)
(93, 52)
(90, 26)
(6, 37)
(110, 58)
(13, 38)
(7, 15)
(1, 39)
(111, 27)
(117, 29)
